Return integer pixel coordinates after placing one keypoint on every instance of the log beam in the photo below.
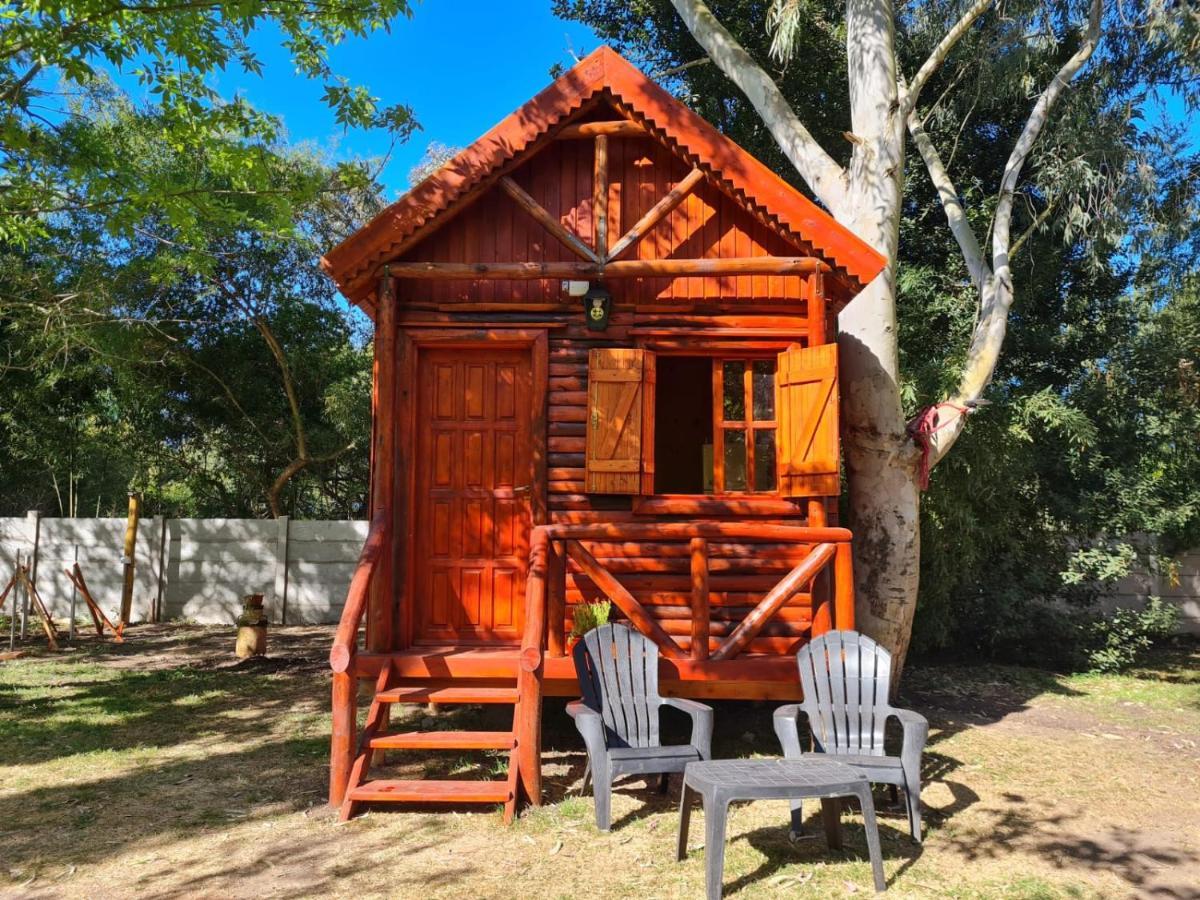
(634, 268)
(773, 602)
(615, 128)
(622, 599)
(568, 239)
(657, 212)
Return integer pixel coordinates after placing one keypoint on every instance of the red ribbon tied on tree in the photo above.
(921, 429)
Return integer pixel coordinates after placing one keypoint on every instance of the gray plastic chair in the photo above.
(846, 678)
(618, 715)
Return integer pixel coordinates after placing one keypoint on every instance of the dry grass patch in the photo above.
(160, 768)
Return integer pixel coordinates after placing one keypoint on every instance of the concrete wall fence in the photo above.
(192, 569)
(199, 569)
(1176, 581)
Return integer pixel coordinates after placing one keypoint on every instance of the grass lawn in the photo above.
(162, 768)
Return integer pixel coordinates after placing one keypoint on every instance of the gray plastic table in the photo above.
(721, 781)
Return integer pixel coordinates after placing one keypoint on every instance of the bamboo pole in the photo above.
(131, 526)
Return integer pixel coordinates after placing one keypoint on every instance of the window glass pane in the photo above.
(764, 389)
(734, 405)
(735, 460)
(764, 459)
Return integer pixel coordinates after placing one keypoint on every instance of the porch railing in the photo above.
(552, 546)
(342, 657)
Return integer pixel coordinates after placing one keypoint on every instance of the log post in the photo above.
(528, 755)
(130, 550)
(700, 612)
(556, 599)
(345, 727)
(381, 612)
(843, 576)
(600, 195)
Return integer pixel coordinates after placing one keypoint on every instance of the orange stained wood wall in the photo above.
(708, 224)
(758, 315)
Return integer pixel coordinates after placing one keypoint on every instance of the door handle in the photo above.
(523, 489)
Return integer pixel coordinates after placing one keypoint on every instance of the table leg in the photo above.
(868, 811)
(831, 815)
(686, 796)
(715, 811)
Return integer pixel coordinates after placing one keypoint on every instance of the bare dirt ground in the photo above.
(164, 768)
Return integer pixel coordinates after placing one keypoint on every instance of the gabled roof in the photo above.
(353, 263)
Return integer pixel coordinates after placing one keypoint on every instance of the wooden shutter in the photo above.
(620, 424)
(806, 385)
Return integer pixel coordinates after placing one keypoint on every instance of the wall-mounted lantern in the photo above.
(597, 304)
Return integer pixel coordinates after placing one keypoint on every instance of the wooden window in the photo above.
(754, 427)
(807, 408)
(744, 426)
(620, 423)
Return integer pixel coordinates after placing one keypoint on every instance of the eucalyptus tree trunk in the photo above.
(882, 461)
(880, 458)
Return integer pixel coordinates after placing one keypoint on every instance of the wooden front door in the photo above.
(474, 476)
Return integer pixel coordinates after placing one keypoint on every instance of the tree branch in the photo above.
(997, 295)
(1028, 232)
(908, 99)
(818, 169)
(956, 216)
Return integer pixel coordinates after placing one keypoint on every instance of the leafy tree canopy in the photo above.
(55, 156)
(211, 366)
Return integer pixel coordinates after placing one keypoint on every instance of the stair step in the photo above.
(445, 740)
(387, 791)
(448, 695)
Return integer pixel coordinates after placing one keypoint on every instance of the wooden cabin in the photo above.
(604, 368)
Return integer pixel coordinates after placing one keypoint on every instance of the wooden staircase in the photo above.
(376, 737)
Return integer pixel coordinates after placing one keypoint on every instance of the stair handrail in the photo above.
(345, 640)
(528, 725)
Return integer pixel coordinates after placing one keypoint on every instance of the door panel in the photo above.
(474, 471)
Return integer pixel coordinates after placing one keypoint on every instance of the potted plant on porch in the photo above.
(585, 617)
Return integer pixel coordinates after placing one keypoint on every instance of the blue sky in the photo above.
(462, 65)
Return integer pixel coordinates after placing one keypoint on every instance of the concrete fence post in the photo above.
(34, 518)
(281, 566)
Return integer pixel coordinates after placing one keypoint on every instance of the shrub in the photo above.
(1116, 641)
(587, 616)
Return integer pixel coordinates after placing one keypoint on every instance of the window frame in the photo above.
(743, 503)
(748, 425)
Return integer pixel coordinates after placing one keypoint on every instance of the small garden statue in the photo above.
(252, 628)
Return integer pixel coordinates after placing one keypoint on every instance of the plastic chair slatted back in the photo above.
(846, 678)
(618, 673)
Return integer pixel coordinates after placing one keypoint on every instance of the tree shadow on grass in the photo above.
(127, 708)
(1150, 864)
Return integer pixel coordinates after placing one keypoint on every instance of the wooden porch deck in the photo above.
(708, 658)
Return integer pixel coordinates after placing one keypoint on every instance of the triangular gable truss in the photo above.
(602, 77)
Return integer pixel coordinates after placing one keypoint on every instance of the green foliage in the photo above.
(57, 157)
(587, 617)
(1120, 640)
(435, 156)
(197, 370)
